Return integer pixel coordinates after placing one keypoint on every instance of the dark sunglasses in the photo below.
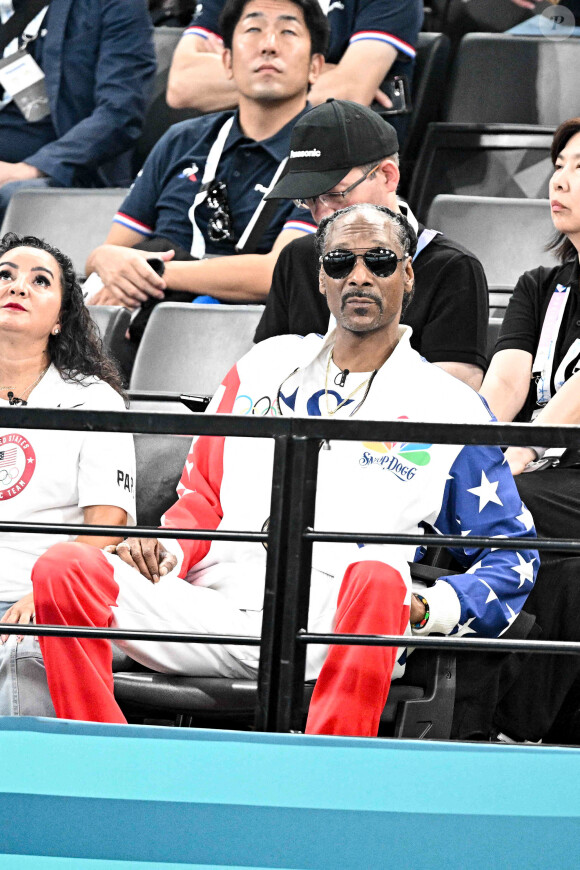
(382, 262)
(220, 223)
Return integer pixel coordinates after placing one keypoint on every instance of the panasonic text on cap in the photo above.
(314, 152)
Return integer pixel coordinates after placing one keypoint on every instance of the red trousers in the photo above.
(351, 691)
(75, 585)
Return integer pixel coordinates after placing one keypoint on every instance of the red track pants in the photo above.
(354, 682)
(79, 670)
(74, 585)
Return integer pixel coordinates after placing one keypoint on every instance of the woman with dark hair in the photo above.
(50, 357)
(534, 377)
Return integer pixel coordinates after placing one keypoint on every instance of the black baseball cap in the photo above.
(329, 141)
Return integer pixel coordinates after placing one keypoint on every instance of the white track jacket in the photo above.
(371, 487)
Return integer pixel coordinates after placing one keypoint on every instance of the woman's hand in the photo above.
(23, 612)
(146, 555)
(519, 457)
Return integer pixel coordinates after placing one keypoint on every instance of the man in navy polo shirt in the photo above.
(368, 40)
(202, 183)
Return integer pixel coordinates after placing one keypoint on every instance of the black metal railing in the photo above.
(291, 533)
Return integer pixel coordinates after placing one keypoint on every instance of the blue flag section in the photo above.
(79, 795)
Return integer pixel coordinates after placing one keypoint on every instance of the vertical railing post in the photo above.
(269, 670)
(287, 594)
(297, 584)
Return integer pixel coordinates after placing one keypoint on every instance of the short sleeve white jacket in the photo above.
(51, 475)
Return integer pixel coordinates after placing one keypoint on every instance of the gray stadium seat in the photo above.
(428, 89)
(190, 348)
(493, 328)
(481, 160)
(159, 116)
(504, 79)
(75, 221)
(508, 235)
(112, 323)
(420, 705)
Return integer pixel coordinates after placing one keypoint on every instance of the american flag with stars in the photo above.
(481, 498)
(8, 457)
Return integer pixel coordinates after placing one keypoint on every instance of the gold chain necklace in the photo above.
(349, 397)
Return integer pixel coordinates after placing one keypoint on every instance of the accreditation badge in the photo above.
(22, 78)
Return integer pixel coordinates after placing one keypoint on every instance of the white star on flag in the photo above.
(525, 518)
(524, 569)
(465, 628)
(486, 492)
(512, 615)
(495, 549)
(474, 568)
(492, 596)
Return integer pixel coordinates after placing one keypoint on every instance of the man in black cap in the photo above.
(343, 153)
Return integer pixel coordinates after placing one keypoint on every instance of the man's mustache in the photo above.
(361, 295)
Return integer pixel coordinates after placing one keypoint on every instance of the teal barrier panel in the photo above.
(108, 797)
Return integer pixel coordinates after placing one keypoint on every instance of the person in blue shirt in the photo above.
(98, 61)
(369, 39)
(202, 183)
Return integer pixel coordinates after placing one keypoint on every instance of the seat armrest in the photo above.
(428, 573)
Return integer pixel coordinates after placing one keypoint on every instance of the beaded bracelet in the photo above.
(425, 619)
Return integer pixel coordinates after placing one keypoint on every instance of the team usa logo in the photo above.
(401, 458)
(17, 464)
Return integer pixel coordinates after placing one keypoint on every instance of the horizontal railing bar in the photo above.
(125, 634)
(444, 540)
(464, 643)
(144, 422)
(504, 434)
(560, 544)
(318, 428)
(483, 644)
(133, 531)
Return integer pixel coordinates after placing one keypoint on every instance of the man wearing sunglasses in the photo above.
(364, 368)
(342, 153)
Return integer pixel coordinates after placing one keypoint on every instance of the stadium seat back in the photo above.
(493, 329)
(75, 221)
(499, 78)
(429, 78)
(508, 235)
(160, 460)
(159, 116)
(493, 160)
(112, 323)
(190, 348)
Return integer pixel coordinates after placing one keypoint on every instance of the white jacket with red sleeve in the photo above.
(372, 487)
